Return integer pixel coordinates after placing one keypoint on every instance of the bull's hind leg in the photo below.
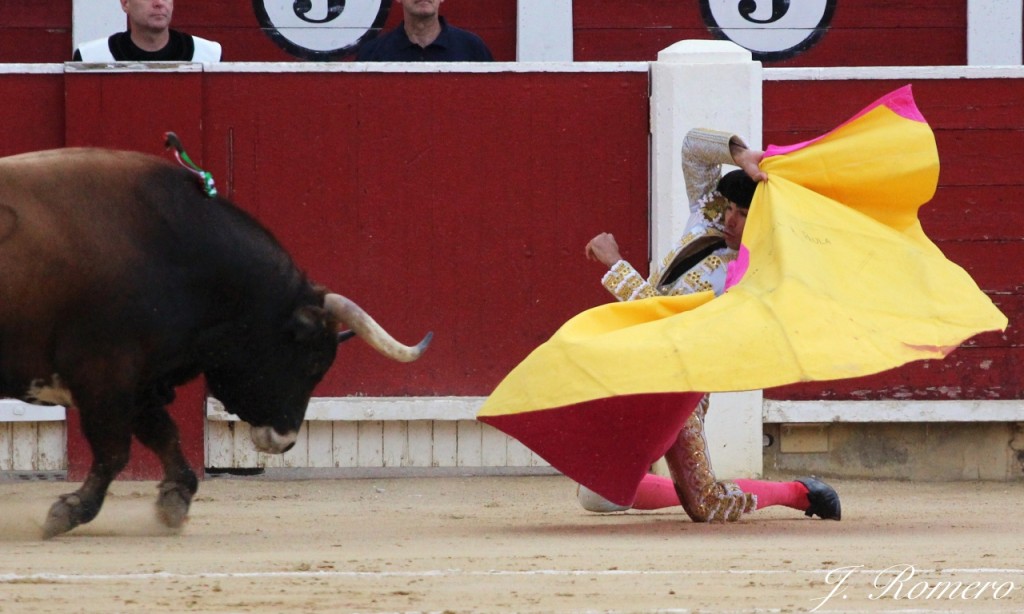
(109, 438)
(156, 430)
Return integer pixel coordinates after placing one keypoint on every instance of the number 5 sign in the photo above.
(770, 29)
(320, 29)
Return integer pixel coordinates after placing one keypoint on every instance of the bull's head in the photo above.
(272, 388)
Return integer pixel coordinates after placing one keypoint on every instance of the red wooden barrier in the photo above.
(33, 116)
(188, 411)
(35, 31)
(131, 110)
(466, 219)
(460, 202)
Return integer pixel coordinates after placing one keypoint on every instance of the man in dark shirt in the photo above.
(149, 38)
(424, 36)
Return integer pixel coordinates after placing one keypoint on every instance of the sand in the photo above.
(502, 544)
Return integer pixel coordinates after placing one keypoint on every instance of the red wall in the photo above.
(460, 202)
(465, 219)
(35, 30)
(33, 112)
(862, 33)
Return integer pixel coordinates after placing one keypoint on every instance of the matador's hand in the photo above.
(603, 249)
(750, 160)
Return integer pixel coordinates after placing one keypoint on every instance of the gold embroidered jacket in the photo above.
(689, 267)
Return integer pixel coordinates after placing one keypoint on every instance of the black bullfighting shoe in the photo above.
(824, 499)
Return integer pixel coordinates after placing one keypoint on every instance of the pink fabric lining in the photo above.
(737, 268)
(900, 102)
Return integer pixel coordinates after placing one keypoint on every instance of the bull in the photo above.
(120, 280)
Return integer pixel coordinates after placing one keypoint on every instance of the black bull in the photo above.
(120, 280)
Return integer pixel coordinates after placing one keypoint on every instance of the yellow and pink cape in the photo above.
(835, 279)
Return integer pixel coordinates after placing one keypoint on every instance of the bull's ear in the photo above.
(307, 321)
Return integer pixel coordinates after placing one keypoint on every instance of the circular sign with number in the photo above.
(320, 29)
(770, 29)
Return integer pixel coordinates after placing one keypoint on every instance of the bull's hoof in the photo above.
(65, 514)
(173, 503)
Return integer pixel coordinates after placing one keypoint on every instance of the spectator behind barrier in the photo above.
(424, 36)
(149, 38)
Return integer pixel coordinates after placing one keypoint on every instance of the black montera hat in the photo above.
(737, 187)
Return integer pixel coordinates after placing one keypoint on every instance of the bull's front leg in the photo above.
(108, 434)
(156, 430)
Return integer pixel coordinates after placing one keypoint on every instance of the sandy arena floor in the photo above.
(509, 544)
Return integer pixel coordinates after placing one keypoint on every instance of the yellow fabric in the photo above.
(842, 282)
(881, 164)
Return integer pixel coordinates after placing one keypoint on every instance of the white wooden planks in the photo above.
(33, 446)
(372, 444)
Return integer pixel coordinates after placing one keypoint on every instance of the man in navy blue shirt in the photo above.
(424, 36)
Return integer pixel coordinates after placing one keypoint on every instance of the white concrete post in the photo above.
(544, 31)
(705, 84)
(92, 19)
(994, 32)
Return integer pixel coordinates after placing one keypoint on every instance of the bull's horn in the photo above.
(353, 316)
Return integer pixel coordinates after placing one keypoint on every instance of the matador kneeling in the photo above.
(698, 262)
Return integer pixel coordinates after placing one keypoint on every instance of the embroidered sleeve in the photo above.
(704, 153)
(626, 284)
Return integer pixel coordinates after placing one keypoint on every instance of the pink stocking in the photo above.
(655, 492)
(790, 494)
